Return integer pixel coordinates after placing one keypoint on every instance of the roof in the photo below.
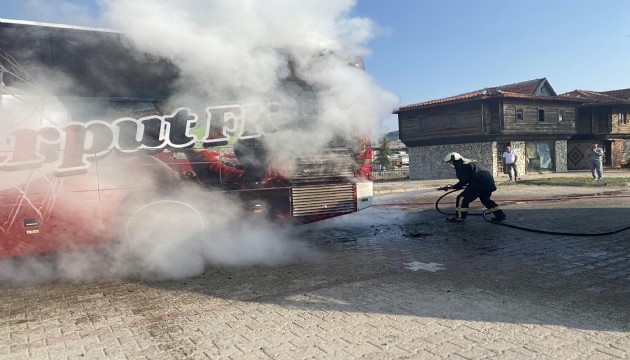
(622, 93)
(591, 98)
(115, 68)
(525, 90)
(10, 22)
(526, 87)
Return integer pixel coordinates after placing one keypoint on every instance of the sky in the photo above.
(427, 49)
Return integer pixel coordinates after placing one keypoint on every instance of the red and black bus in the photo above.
(91, 147)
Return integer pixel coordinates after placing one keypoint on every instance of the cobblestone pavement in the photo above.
(393, 281)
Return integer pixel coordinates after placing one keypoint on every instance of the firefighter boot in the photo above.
(455, 219)
(499, 215)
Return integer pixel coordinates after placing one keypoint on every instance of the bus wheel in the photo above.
(160, 237)
(163, 219)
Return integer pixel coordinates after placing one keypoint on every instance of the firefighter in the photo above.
(479, 183)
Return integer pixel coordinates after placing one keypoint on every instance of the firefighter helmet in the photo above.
(452, 156)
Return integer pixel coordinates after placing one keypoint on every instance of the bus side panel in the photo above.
(49, 213)
(43, 213)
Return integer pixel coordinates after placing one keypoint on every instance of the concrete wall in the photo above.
(624, 152)
(427, 162)
(561, 156)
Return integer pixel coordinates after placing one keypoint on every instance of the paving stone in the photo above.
(502, 294)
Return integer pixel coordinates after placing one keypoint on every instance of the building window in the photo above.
(541, 115)
(452, 119)
(519, 114)
(424, 122)
(623, 119)
(540, 156)
(560, 115)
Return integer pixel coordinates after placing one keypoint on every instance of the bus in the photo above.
(92, 150)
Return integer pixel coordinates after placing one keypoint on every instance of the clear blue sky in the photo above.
(429, 49)
(435, 49)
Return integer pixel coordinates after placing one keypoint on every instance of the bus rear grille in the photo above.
(322, 199)
(323, 168)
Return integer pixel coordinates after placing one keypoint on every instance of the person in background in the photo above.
(595, 155)
(479, 183)
(510, 162)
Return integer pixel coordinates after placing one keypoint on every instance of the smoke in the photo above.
(167, 238)
(178, 236)
(295, 53)
(298, 55)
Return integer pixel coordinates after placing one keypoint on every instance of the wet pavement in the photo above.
(395, 281)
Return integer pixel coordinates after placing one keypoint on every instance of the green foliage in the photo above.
(382, 159)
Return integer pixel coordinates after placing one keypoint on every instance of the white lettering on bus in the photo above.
(74, 147)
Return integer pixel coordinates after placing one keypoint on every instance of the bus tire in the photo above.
(144, 217)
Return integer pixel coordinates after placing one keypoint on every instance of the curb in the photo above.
(434, 186)
(389, 191)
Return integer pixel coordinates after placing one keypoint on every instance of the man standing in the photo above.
(594, 156)
(479, 183)
(510, 162)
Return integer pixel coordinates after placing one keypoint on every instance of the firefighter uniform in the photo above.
(479, 183)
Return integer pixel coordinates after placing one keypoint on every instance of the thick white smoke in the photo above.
(294, 53)
(192, 228)
(251, 51)
(170, 241)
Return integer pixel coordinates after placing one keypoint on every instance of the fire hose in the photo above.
(503, 223)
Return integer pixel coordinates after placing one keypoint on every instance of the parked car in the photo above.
(399, 158)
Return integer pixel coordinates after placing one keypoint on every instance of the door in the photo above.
(500, 160)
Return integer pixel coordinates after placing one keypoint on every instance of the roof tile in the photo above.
(621, 93)
(590, 97)
(525, 89)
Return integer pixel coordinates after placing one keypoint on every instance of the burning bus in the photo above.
(87, 158)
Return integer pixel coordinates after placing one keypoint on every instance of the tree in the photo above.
(383, 157)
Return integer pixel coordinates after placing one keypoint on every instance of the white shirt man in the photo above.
(510, 162)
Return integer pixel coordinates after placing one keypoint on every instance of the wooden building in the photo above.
(603, 117)
(529, 116)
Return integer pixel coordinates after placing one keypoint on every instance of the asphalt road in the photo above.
(393, 281)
